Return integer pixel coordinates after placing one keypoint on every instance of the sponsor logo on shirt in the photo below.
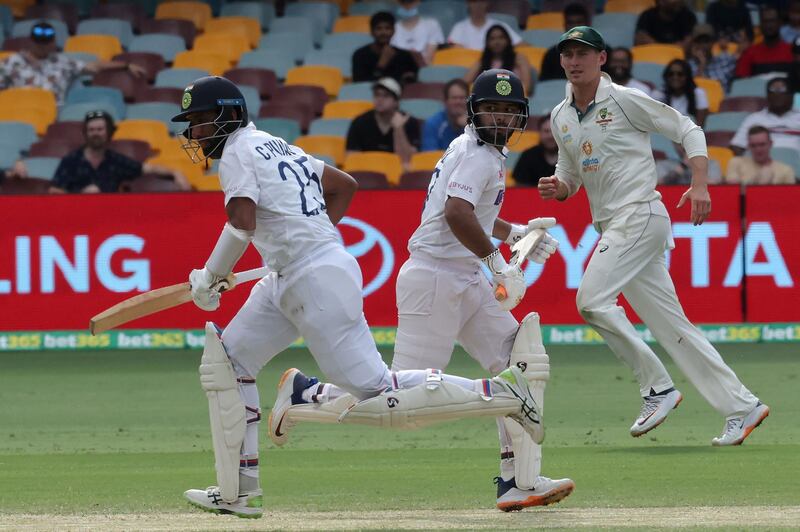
(459, 186)
(564, 128)
(567, 138)
(500, 195)
(591, 164)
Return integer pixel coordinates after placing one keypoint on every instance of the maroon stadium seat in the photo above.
(749, 104)
(65, 12)
(370, 180)
(516, 8)
(15, 44)
(160, 94)
(416, 180)
(262, 79)
(52, 148)
(297, 111)
(431, 90)
(123, 80)
(68, 132)
(312, 96)
(719, 138)
(179, 27)
(138, 150)
(130, 11)
(30, 185)
(152, 63)
(150, 183)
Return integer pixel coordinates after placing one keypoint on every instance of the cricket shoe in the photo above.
(546, 491)
(655, 408)
(739, 428)
(248, 505)
(529, 417)
(290, 390)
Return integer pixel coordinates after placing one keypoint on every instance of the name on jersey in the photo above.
(276, 148)
(459, 186)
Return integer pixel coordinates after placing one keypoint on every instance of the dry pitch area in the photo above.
(768, 517)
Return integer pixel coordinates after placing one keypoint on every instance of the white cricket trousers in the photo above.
(630, 259)
(318, 298)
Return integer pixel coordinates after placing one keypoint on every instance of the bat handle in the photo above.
(500, 293)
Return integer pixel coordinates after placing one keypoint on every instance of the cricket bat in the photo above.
(157, 300)
(520, 252)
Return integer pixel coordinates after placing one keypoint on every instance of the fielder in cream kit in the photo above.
(603, 135)
(286, 203)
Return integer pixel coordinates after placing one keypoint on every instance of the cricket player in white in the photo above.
(287, 203)
(603, 135)
(443, 295)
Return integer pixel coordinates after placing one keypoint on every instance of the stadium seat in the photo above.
(96, 94)
(619, 36)
(329, 78)
(309, 96)
(137, 150)
(421, 108)
(628, 6)
(252, 99)
(265, 81)
(30, 98)
(161, 111)
(150, 183)
(184, 29)
(66, 13)
(661, 143)
(198, 13)
(300, 114)
(285, 26)
(182, 163)
(748, 87)
(370, 8)
(260, 11)
(103, 46)
(284, 128)
(77, 111)
(441, 73)
(51, 148)
(228, 45)
(750, 104)
(462, 57)
(16, 44)
(725, 121)
(213, 63)
(122, 80)
(20, 135)
(722, 156)
(714, 92)
(523, 141)
(132, 12)
(542, 38)
(150, 62)
(17, 7)
(30, 185)
(342, 61)
(375, 161)
(446, 12)
(787, 156)
(7, 16)
(121, 29)
(425, 160)
(9, 155)
(275, 60)
(505, 12)
(164, 45)
(329, 145)
(415, 180)
(533, 55)
(650, 72)
(361, 90)
(719, 138)
(546, 21)
(330, 126)
(160, 94)
(294, 45)
(661, 54)
(42, 167)
(345, 42)
(346, 109)
(178, 78)
(154, 132)
(250, 28)
(549, 93)
(370, 180)
(23, 29)
(323, 13)
(352, 24)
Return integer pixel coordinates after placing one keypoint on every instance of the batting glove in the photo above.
(544, 249)
(206, 289)
(518, 231)
(508, 282)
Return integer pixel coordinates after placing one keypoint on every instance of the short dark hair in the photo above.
(381, 16)
(773, 81)
(627, 52)
(576, 8)
(93, 115)
(755, 130)
(457, 82)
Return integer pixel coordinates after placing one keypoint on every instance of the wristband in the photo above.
(495, 262)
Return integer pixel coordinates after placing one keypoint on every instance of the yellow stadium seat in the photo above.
(355, 24)
(713, 90)
(721, 155)
(229, 45)
(154, 132)
(527, 139)
(375, 161)
(327, 77)
(656, 53)
(246, 26)
(533, 54)
(425, 160)
(103, 46)
(732, 48)
(628, 6)
(463, 57)
(196, 12)
(36, 117)
(546, 21)
(171, 148)
(192, 171)
(5, 54)
(329, 145)
(213, 63)
(205, 182)
(18, 7)
(346, 109)
(30, 98)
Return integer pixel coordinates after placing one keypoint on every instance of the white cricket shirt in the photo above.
(472, 171)
(466, 34)
(286, 185)
(608, 150)
(425, 32)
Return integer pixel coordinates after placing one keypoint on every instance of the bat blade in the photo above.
(141, 305)
(523, 248)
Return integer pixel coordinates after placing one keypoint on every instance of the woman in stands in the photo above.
(681, 93)
(499, 53)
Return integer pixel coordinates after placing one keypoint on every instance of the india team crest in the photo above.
(503, 87)
(186, 101)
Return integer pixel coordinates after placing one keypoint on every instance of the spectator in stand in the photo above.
(96, 168)
(574, 15)
(414, 33)
(385, 128)
(443, 127)
(731, 20)
(778, 117)
(17, 171)
(669, 22)
(471, 32)
(540, 160)
(791, 30)
(773, 54)
(707, 65)
(620, 64)
(794, 74)
(42, 66)
(679, 171)
(499, 53)
(759, 168)
(381, 59)
(681, 93)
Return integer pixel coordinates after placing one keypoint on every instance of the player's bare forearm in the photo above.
(242, 213)
(338, 190)
(501, 229)
(699, 165)
(460, 216)
(697, 195)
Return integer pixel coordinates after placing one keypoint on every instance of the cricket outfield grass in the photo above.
(110, 440)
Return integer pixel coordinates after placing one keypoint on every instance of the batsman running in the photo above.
(287, 203)
(603, 135)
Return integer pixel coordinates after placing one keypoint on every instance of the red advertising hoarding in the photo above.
(65, 258)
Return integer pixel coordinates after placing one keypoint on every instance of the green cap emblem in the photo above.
(503, 87)
(186, 101)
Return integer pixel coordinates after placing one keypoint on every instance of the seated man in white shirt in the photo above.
(415, 33)
(620, 65)
(471, 31)
(778, 117)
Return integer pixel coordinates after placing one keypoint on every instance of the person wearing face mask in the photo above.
(415, 33)
(620, 64)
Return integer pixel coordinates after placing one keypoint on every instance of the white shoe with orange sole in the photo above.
(739, 428)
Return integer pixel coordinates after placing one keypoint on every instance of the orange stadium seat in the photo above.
(103, 46)
(546, 21)
(656, 53)
(375, 161)
(425, 160)
(18, 7)
(196, 12)
(191, 170)
(533, 54)
(204, 182)
(346, 109)
(722, 156)
(327, 77)
(40, 103)
(5, 54)
(527, 139)
(628, 6)
(355, 24)
(213, 63)
(154, 132)
(462, 57)
(713, 90)
(38, 118)
(230, 45)
(249, 27)
(329, 145)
